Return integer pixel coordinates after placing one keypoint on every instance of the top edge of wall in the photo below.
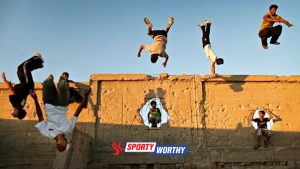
(206, 78)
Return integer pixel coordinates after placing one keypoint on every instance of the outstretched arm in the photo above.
(251, 115)
(37, 107)
(285, 22)
(272, 115)
(70, 81)
(140, 50)
(8, 84)
(280, 19)
(81, 105)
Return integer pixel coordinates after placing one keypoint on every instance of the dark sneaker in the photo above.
(256, 146)
(266, 144)
(265, 47)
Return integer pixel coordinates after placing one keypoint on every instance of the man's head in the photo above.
(261, 114)
(219, 61)
(154, 58)
(273, 8)
(153, 104)
(65, 76)
(61, 142)
(19, 113)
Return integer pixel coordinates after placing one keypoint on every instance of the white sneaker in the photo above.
(202, 24)
(38, 54)
(206, 21)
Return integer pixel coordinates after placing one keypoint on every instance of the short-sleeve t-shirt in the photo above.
(155, 113)
(158, 46)
(266, 24)
(261, 123)
(57, 122)
(19, 98)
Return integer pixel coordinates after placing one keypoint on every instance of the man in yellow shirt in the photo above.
(268, 30)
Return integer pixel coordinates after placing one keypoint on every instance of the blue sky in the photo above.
(95, 36)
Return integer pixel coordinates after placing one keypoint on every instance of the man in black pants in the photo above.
(267, 30)
(19, 92)
(159, 42)
(205, 27)
(262, 129)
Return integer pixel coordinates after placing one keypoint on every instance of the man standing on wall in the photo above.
(262, 129)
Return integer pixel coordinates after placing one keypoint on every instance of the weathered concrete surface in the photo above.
(207, 114)
(77, 155)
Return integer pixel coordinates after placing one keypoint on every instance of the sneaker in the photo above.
(256, 146)
(171, 20)
(202, 24)
(38, 54)
(275, 43)
(266, 144)
(206, 21)
(265, 47)
(147, 22)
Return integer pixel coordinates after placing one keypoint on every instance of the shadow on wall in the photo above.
(236, 82)
(159, 93)
(22, 145)
(159, 97)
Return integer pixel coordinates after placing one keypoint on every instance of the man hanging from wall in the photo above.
(205, 27)
(19, 92)
(159, 42)
(262, 129)
(268, 30)
(154, 115)
(56, 101)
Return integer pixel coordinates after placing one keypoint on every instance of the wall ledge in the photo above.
(206, 78)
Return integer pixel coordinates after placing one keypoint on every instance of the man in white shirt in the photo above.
(56, 102)
(159, 42)
(212, 57)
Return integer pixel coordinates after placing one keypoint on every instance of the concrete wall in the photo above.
(209, 115)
